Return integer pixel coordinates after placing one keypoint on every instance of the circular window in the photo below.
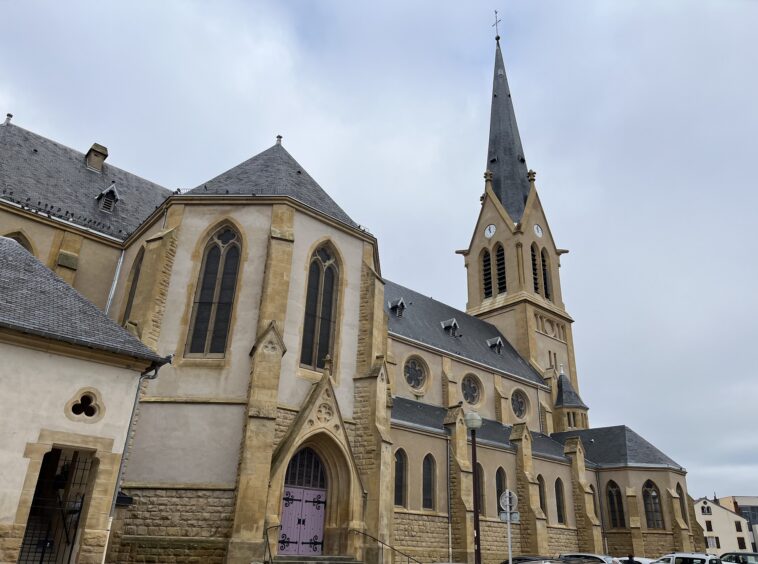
(472, 389)
(519, 404)
(415, 373)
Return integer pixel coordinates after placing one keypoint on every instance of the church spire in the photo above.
(505, 156)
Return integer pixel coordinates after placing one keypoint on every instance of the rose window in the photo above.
(415, 374)
(518, 404)
(472, 389)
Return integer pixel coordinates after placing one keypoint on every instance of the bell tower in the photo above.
(512, 260)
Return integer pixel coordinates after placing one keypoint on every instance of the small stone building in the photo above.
(313, 405)
(69, 379)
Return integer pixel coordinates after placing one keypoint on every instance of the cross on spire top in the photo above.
(497, 21)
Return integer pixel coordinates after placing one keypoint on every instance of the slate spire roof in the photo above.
(567, 395)
(35, 301)
(274, 172)
(505, 156)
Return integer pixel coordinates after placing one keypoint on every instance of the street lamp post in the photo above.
(473, 422)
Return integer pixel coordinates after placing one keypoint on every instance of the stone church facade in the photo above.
(316, 405)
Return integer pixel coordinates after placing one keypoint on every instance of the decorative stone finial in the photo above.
(532, 175)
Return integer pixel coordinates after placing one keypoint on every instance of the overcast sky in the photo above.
(640, 119)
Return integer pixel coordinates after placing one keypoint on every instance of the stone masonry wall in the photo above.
(657, 544)
(620, 543)
(166, 525)
(10, 541)
(424, 537)
(495, 540)
(284, 419)
(561, 539)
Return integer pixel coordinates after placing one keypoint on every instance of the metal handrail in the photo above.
(267, 548)
(408, 557)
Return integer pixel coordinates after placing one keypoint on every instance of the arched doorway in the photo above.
(303, 505)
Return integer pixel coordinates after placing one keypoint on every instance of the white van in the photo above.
(688, 558)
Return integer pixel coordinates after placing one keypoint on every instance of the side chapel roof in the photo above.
(35, 301)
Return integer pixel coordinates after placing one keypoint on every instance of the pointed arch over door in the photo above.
(319, 324)
(303, 505)
(214, 296)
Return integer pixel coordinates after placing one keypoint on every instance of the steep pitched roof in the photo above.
(619, 445)
(33, 300)
(505, 155)
(52, 179)
(421, 321)
(567, 396)
(274, 172)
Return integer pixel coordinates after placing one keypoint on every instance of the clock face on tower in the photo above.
(537, 230)
(489, 231)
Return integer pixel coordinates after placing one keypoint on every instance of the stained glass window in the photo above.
(518, 404)
(471, 388)
(415, 373)
(320, 309)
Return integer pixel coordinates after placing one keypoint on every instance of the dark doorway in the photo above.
(51, 531)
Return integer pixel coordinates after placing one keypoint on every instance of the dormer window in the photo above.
(495, 344)
(397, 307)
(108, 198)
(451, 327)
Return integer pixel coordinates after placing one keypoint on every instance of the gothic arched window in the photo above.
(21, 239)
(212, 310)
(547, 286)
(136, 268)
(486, 274)
(541, 488)
(501, 484)
(651, 499)
(682, 502)
(429, 482)
(320, 308)
(615, 505)
(560, 503)
(401, 477)
(502, 287)
(535, 270)
(480, 480)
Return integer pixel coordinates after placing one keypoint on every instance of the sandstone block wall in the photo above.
(170, 525)
(657, 544)
(495, 541)
(11, 537)
(620, 543)
(561, 539)
(424, 537)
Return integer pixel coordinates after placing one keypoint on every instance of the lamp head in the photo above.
(473, 420)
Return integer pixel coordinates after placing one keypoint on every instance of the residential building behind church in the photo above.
(313, 405)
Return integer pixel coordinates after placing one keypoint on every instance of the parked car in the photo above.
(637, 560)
(740, 557)
(586, 557)
(528, 559)
(688, 558)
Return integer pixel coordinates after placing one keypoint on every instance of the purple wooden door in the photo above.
(312, 521)
(292, 508)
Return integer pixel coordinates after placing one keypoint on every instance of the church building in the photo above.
(314, 407)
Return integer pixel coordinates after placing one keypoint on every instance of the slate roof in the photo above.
(505, 155)
(421, 321)
(274, 172)
(432, 417)
(33, 300)
(50, 178)
(619, 445)
(567, 396)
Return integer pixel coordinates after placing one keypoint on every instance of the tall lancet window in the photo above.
(212, 310)
(547, 285)
(535, 270)
(500, 264)
(320, 308)
(136, 268)
(615, 506)
(651, 499)
(486, 274)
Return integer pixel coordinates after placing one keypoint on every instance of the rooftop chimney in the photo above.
(96, 156)
(8, 118)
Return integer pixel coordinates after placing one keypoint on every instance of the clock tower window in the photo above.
(500, 263)
(486, 273)
(547, 286)
(535, 270)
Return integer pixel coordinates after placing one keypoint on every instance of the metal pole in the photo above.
(510, 553)
(477, 545)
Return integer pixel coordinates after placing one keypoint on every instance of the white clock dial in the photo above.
(537, 230)
(489, 231)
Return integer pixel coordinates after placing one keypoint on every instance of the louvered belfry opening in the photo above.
(547, 287)
(535, 270)
(500, 262)
(487, 274)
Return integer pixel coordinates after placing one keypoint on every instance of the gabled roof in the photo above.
(567, 396)
(274, 172)
(505, 155)
(35, 301)
(422, 322)
(432, 418)
(618, 446)
(47, 177)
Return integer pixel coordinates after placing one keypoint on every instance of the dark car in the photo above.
(740, 557)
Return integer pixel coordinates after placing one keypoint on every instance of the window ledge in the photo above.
(202, 361)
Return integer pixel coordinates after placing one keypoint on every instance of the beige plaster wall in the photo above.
(491, 459)
(416, 446)
(36, 386)
(189, 444)
(723, 526)
(551, 471)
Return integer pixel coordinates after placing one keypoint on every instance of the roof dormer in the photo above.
(450, 326)
(495, 344)
(397, 306)
(108, 198)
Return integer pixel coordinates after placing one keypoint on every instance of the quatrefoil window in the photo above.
(85, 406)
